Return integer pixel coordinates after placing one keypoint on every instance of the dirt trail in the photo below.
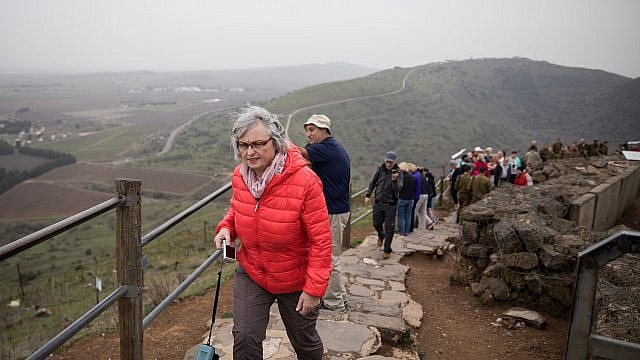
(456, 326)
(175, 331)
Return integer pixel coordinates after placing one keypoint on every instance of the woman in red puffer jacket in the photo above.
(278, 213)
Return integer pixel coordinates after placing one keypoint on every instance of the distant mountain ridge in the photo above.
(281, 77)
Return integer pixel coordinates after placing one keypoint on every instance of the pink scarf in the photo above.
(257, 185)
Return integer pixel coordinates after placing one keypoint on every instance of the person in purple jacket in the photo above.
(417, 176)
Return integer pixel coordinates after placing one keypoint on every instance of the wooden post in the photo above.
(346, 233)
(129, 268)
(21, 283)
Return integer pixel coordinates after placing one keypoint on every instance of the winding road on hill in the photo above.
(358, 98)
(172, 137)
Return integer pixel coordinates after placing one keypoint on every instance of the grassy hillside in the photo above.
(502, 103)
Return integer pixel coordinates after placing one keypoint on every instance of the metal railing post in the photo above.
(577, 347)
(129, 268)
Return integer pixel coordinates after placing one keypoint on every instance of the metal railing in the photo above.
(129, 244)
(364, 215)
(26, 242)
(127, 205)
(581, 343)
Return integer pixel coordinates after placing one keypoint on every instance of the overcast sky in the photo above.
(115, 35)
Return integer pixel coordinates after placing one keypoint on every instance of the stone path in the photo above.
(380, 310)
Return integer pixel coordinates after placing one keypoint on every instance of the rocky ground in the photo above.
(457, 326)
(518, 242)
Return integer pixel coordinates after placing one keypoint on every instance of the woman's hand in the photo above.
(307, 303)
(223, 234)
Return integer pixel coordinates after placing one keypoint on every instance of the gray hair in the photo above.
(248, 117)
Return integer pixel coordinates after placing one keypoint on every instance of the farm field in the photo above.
(160, 180)
(103, 145)
(20, 162)
(57, 193)
(33, 200)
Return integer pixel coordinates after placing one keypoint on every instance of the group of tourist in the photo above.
(474, 174)
(405, 192)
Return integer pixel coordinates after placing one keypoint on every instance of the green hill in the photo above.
(503, 103)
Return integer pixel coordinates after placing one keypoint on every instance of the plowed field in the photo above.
(164, 181)
(41, 200)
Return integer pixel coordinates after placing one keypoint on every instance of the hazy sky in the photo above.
(114, 35)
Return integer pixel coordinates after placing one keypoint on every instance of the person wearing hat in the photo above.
(386, 182)
(331, 163)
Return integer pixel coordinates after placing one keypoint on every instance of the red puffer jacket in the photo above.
(285, 236)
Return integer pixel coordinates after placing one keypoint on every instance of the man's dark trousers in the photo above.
(384, 221)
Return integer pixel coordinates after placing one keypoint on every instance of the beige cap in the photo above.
(320, 121)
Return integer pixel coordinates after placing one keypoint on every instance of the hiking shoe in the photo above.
(379, 243)
(386, 255)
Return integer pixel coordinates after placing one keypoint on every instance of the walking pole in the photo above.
(207, 351)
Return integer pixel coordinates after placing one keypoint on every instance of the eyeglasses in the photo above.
(255, 145)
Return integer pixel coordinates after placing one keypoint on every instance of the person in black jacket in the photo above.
(386, 182)
(453, 176)
(431, 191)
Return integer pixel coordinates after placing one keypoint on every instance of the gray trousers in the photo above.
(251, 305)
(335, 297)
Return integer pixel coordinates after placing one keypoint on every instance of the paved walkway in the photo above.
(380, 310)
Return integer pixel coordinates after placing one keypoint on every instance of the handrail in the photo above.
(180, 289)
(153, 234)
(359, 192)
(581, 344)
(127, 205)
(77, 325)
(52, 230)
(361, 216)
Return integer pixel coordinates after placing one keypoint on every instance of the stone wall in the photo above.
(520, 245)
(601, 207)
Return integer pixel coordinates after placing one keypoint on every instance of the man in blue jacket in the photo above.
(331, 163)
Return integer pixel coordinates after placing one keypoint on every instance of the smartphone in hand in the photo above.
(228, 251)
